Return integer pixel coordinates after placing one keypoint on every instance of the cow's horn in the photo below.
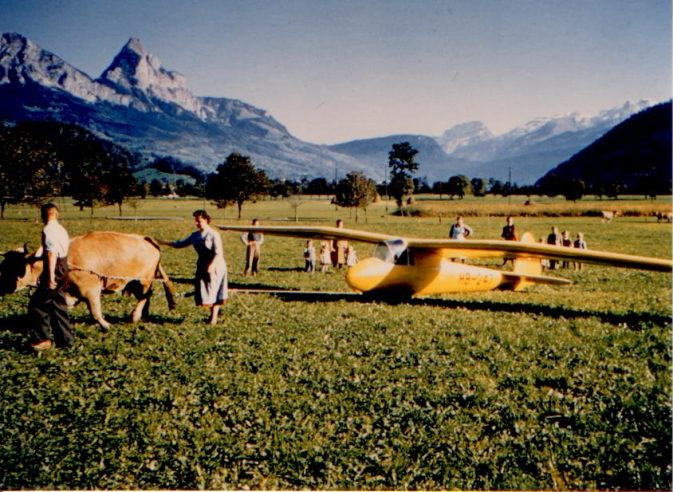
(25, 248)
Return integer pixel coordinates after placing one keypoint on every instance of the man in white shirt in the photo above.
(47, 308)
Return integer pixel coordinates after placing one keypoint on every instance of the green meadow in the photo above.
(552, 388)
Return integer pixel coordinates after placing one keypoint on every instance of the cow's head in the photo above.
(17, 270)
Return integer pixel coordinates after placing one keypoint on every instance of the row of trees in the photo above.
(40, 160)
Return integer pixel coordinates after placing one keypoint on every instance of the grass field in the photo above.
(554, 388)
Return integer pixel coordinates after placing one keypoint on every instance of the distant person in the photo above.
(210, 279)
(460, 230)
(509, 234)
(579, 243)
(325, 257)
(338, 248)
(309, 257)
(553, 239)
(253, 250)
(567, 243)
(47, 308)
(509, 231)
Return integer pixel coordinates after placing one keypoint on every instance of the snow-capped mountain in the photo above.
(529, 151)
(475, 142)
(463, 135)
(139, 104)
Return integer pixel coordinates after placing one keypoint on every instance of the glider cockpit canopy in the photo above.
(394, 251)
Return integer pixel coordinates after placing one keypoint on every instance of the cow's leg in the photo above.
(142, 309)
(92, 298)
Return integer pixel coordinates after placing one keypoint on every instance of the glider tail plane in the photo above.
(528, 271)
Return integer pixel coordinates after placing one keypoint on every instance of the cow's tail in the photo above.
(169, 288)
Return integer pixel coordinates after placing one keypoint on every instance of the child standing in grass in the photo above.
(309, 257)
(579, 243)
(325, 257)
(568, 243)
(351, 256)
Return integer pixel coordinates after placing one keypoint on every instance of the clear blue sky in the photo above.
(336, 70)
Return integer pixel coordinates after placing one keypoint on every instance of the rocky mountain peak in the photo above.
(137, 71)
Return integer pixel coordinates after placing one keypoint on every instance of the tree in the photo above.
(318, 186)
(402, 166)
(355, 191)
(295, 201)
(495, 186)
(574, 189)
(458, 186)
(478, 186)
(236, 180)
(156, 187)
(439, 188)
(50, 159)
(30, 167)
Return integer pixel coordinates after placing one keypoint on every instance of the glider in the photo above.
(414, 266)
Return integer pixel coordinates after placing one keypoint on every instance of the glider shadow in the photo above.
(635, 321)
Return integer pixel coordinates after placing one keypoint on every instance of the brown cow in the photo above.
(99, 262)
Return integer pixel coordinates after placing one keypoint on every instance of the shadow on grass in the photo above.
(14, 329)
(14, 333)
(257, 286)
(632, 320)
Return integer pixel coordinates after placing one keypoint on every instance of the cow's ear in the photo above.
(26, 250)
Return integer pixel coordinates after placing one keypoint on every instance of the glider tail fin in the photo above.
(528, 271)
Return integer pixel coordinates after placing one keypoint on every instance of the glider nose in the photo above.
(368, 274)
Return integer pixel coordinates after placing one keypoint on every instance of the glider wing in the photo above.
(520, 249)
(310, 232)
(470, 248)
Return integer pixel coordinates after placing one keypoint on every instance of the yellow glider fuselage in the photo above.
(428, 273)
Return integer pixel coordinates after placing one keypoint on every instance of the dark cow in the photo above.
(664, 216)
(99, 262)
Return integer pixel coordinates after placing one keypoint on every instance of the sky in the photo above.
(339, 70)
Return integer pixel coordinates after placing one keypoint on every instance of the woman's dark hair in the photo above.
(202, 213)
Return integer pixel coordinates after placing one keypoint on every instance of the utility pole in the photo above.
(386, 184)
(509, 181)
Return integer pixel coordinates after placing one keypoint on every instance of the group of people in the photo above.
(335, 253)
(563, 239)
(460, 230)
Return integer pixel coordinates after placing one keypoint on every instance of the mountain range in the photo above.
(636, 154)
(137, 103)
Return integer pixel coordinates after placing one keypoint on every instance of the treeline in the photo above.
(42, 160)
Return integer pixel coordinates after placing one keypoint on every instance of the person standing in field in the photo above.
(47, 308)
(351, 256)
(509, 231)
(568, 243)
(460, 230)
(253, 251)
(325, 257)
(509, 234)
(553, 239)
(210, 280)
(579, 243)
(309, 257)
